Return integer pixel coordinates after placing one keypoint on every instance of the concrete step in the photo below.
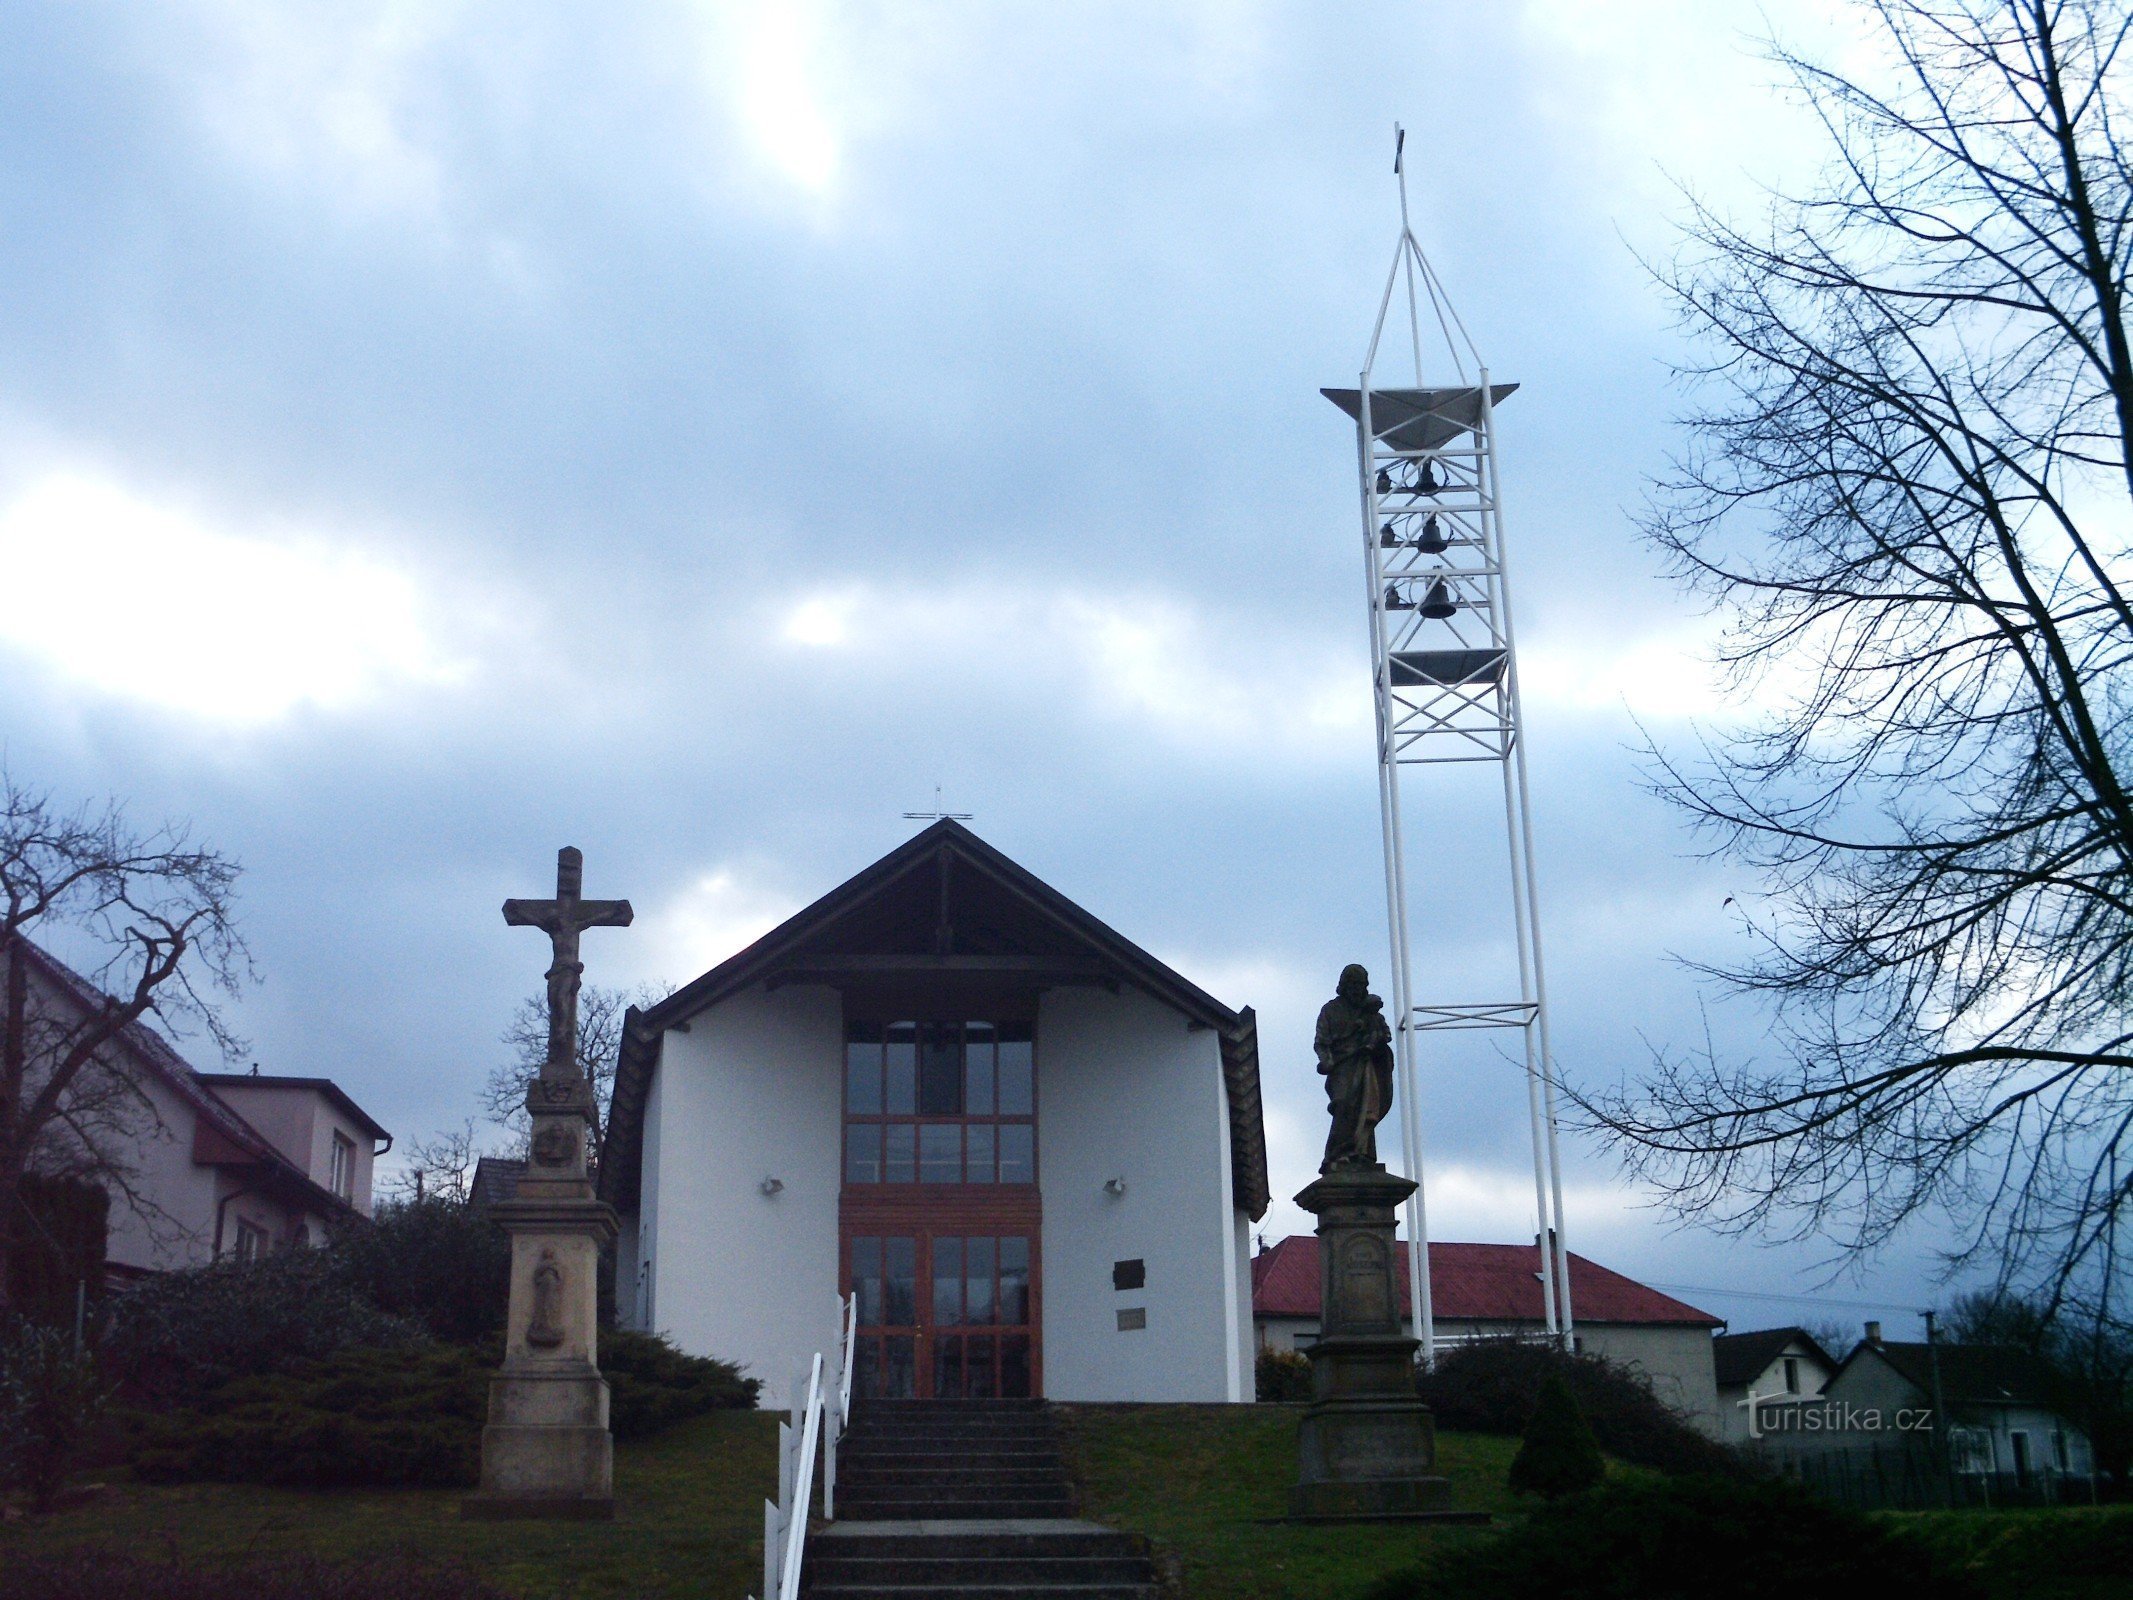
(944, 1508)
(873, 1475)
(967, 1569)
(922, 1453)
(948, 1444)
(981, 1591)
(997, 1537)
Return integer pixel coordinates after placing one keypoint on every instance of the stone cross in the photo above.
(563, 919)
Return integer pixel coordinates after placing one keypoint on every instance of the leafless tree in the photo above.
(440, 1167)
(600, 1014)
(145, 919)
(1908, 492)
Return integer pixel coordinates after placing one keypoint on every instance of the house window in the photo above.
(344, 1167)
(2059, 1453)
(2020, 1442)
(940, 1102)
(1792, 1374)
(251, 1240)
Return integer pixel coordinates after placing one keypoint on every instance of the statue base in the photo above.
(547, 1451)
(1367, 1447)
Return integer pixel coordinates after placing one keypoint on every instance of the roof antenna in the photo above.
(937, 814)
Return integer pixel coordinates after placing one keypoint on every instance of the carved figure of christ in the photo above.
(563, 919)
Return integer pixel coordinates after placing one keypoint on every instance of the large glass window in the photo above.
(940, 1102)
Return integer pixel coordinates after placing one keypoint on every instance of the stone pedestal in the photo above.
(546, 1451)
(1367, 1448)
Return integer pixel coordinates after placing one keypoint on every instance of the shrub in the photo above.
(1560, 1455)
(92, 1574)
(1283, 1374)
(179, 1336)
(434, 1262)
(360, 1416)
(49, 1395)
(59, 1230)
(1494, 1385)
(652, 1385)
(403, 1415)
(1685, 1539)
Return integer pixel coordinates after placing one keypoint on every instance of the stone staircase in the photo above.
(964, 1499)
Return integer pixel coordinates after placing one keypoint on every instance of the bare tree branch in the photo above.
(1908, 491)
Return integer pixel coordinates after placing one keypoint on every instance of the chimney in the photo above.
(1873, 1333)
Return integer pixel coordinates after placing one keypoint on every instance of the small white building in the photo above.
(1493, 1291)
(1032, 1150)
(1767, 1370)
(205, 1166)
(2005, 1421)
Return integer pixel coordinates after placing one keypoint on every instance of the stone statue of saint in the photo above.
(1354, 1047)
(546, 1327)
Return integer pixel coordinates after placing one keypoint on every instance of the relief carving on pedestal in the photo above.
(546, 1329)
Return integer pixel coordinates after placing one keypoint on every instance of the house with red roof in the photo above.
(1493, 1291)
(207, 1166)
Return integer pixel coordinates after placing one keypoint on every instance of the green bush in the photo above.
(1560, 1455)
(1493, 1386)
(1283, 1374)
(434, 1262)
(652, 1385)
(50, 1394)
(403, 1415)
(359, 1416)
(176, 1337)
(92, 1574)
(1685, 1539)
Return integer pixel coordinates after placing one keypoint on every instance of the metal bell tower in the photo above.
(1445, 686)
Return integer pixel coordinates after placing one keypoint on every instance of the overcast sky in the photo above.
(431, 433)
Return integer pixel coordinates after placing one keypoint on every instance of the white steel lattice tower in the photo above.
(1445, 677)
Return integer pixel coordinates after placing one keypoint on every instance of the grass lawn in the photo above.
(1202, 1483)
(688, 1522)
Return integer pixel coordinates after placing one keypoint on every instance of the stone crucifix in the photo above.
(546, 1451)
(560, 1098)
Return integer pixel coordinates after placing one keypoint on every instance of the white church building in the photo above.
(1032, 1150)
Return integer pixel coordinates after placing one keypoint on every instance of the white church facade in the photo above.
(1029, 1148)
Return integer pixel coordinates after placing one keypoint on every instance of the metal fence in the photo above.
(1911, 1477)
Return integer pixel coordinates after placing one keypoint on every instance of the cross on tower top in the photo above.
(562, 919)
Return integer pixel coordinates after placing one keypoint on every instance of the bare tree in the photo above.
(440, 1167)
(1909, 494)
(600, 1014)
(146, 917)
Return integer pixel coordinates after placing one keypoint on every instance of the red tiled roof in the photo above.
(1473, 1283)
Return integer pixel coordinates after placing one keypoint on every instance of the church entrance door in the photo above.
(940, 1211)
(945, 1315)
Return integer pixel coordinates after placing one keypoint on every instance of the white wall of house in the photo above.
(176, 1225)
(752, 1091)
(1678, 1361)
(1769, 1386)
(1127, 1090)
(301, 1123)
(1870, 1383)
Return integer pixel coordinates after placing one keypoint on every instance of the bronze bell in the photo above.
(1388, 539)
(1395, 601)
(1428, 484)
(1384, 481)
(1438, 603)
(1433, 542)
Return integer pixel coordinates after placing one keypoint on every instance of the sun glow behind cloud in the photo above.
(148, 603)
(780, 100)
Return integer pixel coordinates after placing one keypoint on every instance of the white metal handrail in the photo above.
(785, 1518)
(840, 1405)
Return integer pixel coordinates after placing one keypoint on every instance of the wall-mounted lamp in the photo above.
(771, 1186)
(1114, 1186)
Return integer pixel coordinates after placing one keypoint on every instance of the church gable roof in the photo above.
(947, 907)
